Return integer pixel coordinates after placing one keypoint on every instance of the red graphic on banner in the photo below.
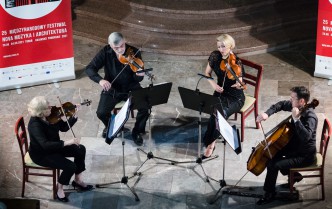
(34, 40)
(323, 61)
(324, 29)
(17, 3)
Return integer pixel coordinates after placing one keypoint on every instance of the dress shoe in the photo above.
(137, 139)
(104, 132)
(80, 187)
(205, 157)
(63, 199)
(299, 178)
(267, 198)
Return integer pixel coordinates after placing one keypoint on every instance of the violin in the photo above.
(134, 63)
(232, 69)
(69, 109)
(269, 147)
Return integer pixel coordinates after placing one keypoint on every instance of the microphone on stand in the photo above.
(149, 69)
(204, 76)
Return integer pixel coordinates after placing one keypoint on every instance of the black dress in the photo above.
(231, 99)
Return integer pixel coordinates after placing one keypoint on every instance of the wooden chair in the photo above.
(21, 135)
(319, 164)
(252, 77)
(118, 107)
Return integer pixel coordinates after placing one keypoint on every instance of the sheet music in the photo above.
(228, 132)
(120, 118)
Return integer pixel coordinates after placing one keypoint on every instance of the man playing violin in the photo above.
(117, 82)
(227, 88)
(301, 148)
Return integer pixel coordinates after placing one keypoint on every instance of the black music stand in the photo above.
(229, 134)
(201, 102)
(115, 125)
(147, 97)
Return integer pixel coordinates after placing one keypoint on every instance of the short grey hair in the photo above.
(115, 38)
(37, 106)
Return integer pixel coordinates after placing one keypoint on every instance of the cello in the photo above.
(278, 138)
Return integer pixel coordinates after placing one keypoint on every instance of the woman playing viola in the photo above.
(227, 88)
(46, 148)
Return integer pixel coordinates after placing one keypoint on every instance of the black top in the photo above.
(303, 141)
(214, 62)
(106, 57)
(44, 137)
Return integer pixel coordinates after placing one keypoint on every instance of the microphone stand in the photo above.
(203, 103)
(196, 89)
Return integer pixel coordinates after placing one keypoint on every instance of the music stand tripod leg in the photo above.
(223, 184)
(124, 179)
(150, 155)
(199, 160)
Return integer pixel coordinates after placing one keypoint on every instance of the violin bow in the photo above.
(124, 66)
(223, 82)
(266, 144)
(234, 75)
(119, 72)
(63, 112)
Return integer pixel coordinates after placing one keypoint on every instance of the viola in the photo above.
(269, 147)
(134, 63)
(69, 109)
(232, 69)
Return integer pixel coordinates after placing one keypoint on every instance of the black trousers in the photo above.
(281, 162)
(229, 106)
(68, 167)
(107, 102)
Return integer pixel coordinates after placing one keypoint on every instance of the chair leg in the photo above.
(242, 127)
(256, 114)
(55, 172)
(23, 182)
(322, 184)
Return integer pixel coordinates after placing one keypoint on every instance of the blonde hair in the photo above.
(37, 106)
(227, 40)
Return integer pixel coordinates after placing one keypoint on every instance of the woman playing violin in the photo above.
(301, 148)
(227, 88)
(118, 80)
(46, 148)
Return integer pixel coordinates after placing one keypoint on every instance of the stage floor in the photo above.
(174, 136)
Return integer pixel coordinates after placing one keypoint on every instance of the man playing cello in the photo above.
(301, 148)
